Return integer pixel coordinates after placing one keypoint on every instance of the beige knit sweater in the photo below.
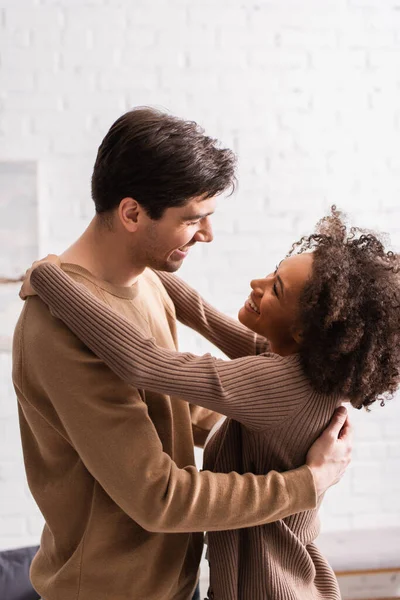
(111, 465)
(273, 417)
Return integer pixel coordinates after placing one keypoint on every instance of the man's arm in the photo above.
(107, 423)
(203, 420)
(231, 337)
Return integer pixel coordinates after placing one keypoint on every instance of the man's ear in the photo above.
(129, 212)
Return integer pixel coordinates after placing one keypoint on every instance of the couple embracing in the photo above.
(110, 411)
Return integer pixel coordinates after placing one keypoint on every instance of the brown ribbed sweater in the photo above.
(110, 465)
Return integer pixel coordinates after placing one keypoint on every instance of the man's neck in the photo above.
(104, 254)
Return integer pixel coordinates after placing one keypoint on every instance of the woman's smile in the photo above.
(251, 306)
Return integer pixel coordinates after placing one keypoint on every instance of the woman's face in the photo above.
(272, 307)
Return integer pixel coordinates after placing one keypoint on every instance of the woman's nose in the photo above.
(257, 286)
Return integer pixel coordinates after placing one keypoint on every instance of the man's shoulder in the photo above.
(41, 343)
(38, 331)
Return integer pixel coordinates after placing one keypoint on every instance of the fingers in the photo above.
(346, 432)
(24, 291)
(53, 258)
(27, 289)
(337, 422)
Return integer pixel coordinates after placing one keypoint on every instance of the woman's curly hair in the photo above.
(350, 313)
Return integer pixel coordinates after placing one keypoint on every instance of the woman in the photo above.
(328, 329)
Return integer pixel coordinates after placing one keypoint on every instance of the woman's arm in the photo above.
(234, 339)
(258, 391)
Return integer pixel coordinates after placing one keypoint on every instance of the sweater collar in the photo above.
(128, 293)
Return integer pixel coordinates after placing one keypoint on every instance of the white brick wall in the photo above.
(308, 94)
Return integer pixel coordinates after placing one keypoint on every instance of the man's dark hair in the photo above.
(350, 313)
(159, 160)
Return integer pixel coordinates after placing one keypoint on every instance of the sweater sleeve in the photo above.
(259, 391)
(229, 335)
(108, 425)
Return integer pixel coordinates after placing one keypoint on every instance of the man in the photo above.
(112, 467)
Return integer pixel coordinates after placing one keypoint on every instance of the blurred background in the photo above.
(307, 92)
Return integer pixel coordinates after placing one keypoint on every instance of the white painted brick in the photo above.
(367, 431)
(13, 498)
(65, 80)
(18, 57)
(335, 523)
(16, 81)
(245, 39)
(385, 60)
(75, 56)
(12, 470)
(5, 3)
(17, 39)
(29, 147)
(15, 124)
(36, 18)
(306, 92)
(146, 37)
(198, 57)
(169, 15)
(230, 17)
(373, 3)
(37, 102)
(74, 3)
(371, 451)
(392, 430)
(54, 123)
(276, 16)
(366, 478)
(278, 59)
(12, 526)
(177, 80)
(100, 19)
(64, 144)
(127, 79)
(376, 520)
(393, 451)
(304, 38)
(82, 101)
(35, 525)
(9, 543)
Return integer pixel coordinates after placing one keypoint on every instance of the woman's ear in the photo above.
(297, 335)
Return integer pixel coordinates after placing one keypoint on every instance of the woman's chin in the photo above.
(243, 316)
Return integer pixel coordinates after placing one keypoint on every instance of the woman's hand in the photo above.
(27, 289)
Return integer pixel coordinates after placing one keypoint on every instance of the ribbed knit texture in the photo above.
(278, 561)
(110, 464)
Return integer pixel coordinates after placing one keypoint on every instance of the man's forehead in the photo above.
(199, 206)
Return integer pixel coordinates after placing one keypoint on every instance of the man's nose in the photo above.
(205, 233)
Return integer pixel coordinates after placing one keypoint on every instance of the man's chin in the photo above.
(169, 266)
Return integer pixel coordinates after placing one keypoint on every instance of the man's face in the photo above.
(165, 243)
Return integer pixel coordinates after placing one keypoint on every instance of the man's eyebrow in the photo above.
(197, 217)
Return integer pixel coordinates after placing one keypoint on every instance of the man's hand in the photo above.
(27, 289)
(329, 456)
